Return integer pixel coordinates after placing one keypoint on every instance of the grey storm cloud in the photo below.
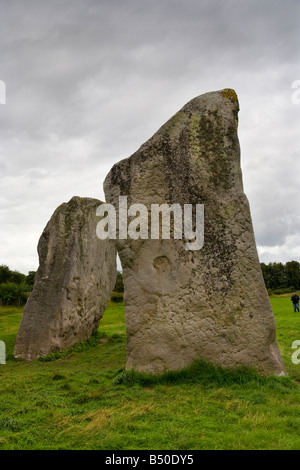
(88, 81)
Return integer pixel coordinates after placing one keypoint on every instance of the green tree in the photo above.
(292, 271)
(278, 276)
(274, 275)
(14, 286)
(30, 279)
(4, 273)
(267, 274)
(119, 286)
(17, 278)
(13, 294)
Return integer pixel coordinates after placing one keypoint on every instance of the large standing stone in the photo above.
(182, 305)
(73, 284)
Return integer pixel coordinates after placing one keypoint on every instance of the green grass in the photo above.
(84, 399)
(288, 330)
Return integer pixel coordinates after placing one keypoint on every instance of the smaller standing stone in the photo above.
(73, 284)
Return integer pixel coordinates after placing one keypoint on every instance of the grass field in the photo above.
(83, 400)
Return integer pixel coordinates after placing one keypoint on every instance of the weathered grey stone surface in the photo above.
(73, 284)
(212, 303)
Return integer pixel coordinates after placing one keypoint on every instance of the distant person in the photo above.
(295, 300)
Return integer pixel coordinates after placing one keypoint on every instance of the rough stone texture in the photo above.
(76, 276)
(212, 303)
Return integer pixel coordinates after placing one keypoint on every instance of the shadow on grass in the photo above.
(82, 346)
(206, 374)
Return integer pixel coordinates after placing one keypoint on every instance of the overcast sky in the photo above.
(88, 81)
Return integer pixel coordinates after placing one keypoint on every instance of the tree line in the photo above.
(15, 287)
(280, 278)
